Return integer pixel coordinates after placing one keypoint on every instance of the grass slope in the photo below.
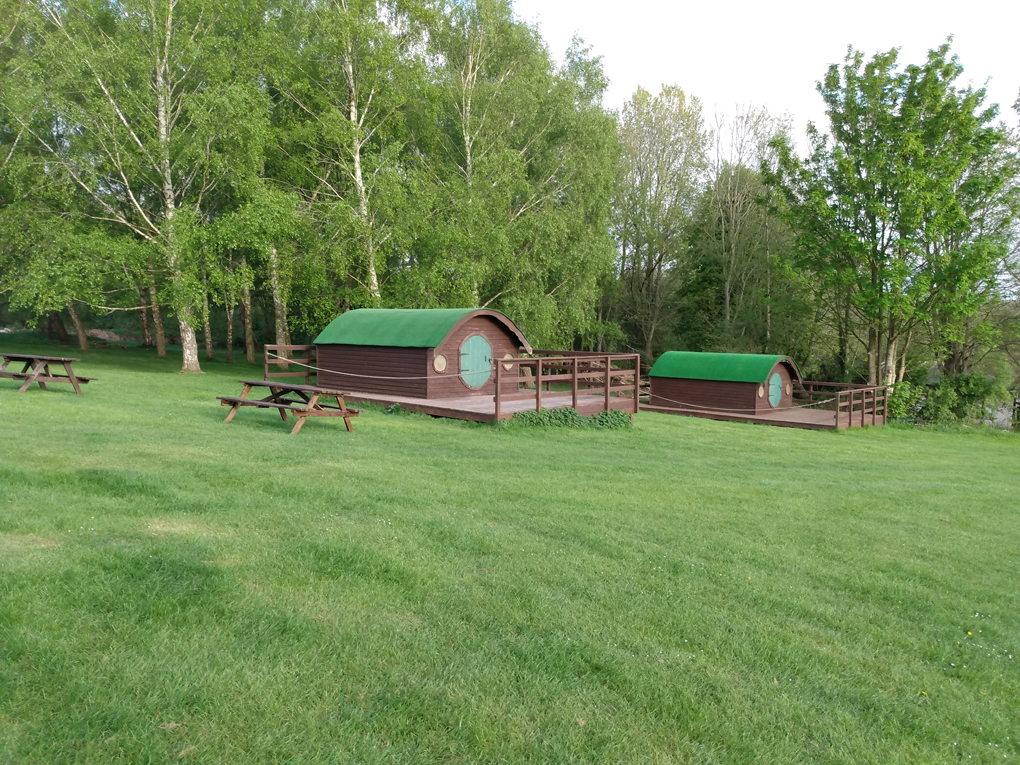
(177, 589)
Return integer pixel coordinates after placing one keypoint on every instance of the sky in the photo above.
(771, 54)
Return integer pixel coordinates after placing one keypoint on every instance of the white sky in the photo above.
(772, 53)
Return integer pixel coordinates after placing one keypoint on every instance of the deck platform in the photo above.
(796, 417)
(483, 408)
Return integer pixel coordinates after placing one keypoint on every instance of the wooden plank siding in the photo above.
(674, 393)
(739, 398)
(375, 362)
(448, 384)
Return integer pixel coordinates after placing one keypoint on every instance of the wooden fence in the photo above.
(583, 375)
(851, 404)
(278, 360)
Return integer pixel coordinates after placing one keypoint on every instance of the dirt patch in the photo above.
(13, 543)
(183, 527)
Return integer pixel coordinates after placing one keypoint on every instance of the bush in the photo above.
(905, 400)
(571, 418)
(966, 397)
(941, 404)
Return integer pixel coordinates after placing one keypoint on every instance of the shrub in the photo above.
(965, 397)
(905, 400)
(571, 418)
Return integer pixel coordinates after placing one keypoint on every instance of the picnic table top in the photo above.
(293, 387)
(34, 357)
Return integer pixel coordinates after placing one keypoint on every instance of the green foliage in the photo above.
(969, 397)
(905, 400)
(891, 209)
(570, 418)
(663, 155)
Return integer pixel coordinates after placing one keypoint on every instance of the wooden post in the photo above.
(573, 383)
(496, 397)
(637, 384)
(609, 380)
(538, 385)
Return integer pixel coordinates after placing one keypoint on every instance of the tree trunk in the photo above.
(903, 358)
(279, 303)
(56, 324)
(359, 181)
(189, 345)
(249, 332)
(144, 316)
(230, 333)
(210, 354)
(892, 339)
(157, 321)
(164, 98)
(768, 286)
(872, 354)
(649, 347)
(890, 360)
(79, 329)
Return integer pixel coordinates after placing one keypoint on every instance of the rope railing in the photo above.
(741, 409)
(588, 373)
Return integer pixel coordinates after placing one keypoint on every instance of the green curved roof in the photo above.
(728, 367)
(399, 327)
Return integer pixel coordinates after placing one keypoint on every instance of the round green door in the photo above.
(475, 361)
(775, 389)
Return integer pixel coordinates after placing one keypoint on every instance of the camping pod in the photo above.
(420, 353)
(739, 383)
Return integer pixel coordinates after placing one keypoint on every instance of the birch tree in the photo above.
(345, 74)
(662, 169)
(521, 168)
(135, 107)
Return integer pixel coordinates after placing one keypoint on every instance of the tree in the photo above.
(519, 170)
(346, 71)
(883, 207)
(662, 165)
(135, 107)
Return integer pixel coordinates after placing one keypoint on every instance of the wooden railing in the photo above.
(276, 356)
(610, 375)
(851, 403)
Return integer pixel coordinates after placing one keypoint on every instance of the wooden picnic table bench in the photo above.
(302, 401)
(36, 369)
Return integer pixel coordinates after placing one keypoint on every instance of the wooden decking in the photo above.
(483, 408)
(807, 419)
(817, 406)
(588, 382)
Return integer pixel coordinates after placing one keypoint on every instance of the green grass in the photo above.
(173, 589)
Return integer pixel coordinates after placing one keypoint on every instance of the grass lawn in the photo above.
(173, 589)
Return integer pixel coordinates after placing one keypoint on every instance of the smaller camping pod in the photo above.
(421, 353)
(741, 383)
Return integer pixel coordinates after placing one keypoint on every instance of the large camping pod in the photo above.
(421, 353)
(738, 383)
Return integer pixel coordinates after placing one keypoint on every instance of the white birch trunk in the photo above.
(359, 180)
(185, 312)
(279, 303)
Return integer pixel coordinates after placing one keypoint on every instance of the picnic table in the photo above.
(302, 401)
(36, 369)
